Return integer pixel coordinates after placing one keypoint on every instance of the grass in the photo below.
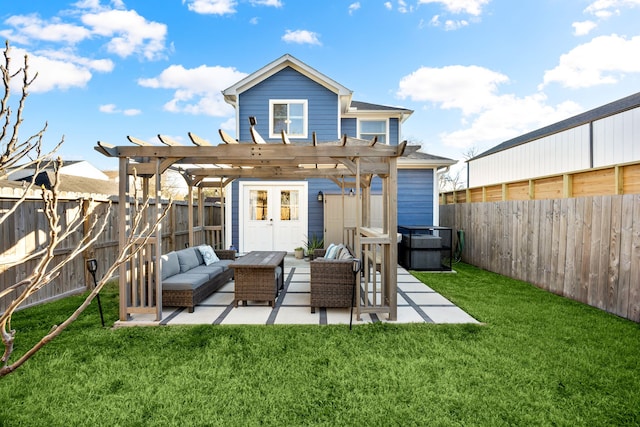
(539, 359)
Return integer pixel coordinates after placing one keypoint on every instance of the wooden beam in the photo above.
(257, 138)
(200, 142)
(226, 138)
(138, 141)
(169, 141)
(323, 153)
(285, 138)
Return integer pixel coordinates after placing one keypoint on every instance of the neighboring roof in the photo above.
(77, 184)
(615, 107)
(359, 107)
(413, 157)
(232, 92)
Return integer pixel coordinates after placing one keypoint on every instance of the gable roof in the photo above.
(231, 93)
(356, 108)
(615, 107)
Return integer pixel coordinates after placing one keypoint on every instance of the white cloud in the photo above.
(605, 8)
(301, 37)
(130, 32)
(487, 115)
(472, 7)
(583, 28)
(67, 55)
(506, 117)
(212, 7)
(59, 72)
(108, 108)
(353, 7)
(32, 27)
(197, 90)
(603, 60)
(112, 109)
(229, 125)
(449, 24)
(465, 87)
(95, 6)
(388, 5)
(272, 3)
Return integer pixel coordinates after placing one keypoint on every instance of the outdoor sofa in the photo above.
(190, 275)
(334, 276)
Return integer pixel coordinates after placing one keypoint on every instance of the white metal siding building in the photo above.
(605, 136)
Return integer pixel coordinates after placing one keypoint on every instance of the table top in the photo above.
(259, 259)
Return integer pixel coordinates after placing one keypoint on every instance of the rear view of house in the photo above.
(287, 101)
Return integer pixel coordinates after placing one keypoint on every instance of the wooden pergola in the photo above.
(350, 163)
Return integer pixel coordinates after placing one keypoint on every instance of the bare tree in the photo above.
(29, 153)
(457, 179)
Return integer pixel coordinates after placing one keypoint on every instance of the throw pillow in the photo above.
(208, 254)
(331, 251)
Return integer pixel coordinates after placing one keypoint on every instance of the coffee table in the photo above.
(258, 275)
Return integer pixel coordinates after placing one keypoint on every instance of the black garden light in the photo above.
(92, 266)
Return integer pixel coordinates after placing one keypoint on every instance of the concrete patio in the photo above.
(417, 303)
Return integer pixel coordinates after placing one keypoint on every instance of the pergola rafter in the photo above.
(348, 162)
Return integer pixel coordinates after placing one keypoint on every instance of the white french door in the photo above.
(273, 216)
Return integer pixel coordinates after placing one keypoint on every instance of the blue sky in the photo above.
(476, 72)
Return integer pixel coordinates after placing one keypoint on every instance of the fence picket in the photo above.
(585, 248)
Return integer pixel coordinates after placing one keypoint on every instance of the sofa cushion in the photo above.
(223, 263)
(208, 254)
(188, 259)
(170, 265)
(185, 281)
(211, 270)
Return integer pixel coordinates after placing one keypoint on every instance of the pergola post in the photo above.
(123, 231)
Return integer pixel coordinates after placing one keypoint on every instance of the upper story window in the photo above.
(290, 115)
(370, 128)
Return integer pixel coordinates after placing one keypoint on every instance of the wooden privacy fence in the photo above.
(26, 231)
(586, 249)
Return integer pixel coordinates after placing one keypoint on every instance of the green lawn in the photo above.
(538, 360)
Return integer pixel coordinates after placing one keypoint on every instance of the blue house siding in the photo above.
(415, 196)
(289, 84)
(349, 127)
(394, 131)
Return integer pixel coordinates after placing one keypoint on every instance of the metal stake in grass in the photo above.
(92, 266)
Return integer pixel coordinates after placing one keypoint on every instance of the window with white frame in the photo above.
(371, 128)
(290, 115)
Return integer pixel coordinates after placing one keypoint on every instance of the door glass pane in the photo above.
(289, 205)
(258, 205)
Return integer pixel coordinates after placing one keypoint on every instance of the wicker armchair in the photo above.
(333, 282)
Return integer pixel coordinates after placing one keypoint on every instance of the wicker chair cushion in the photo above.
(208, 254)
(170, 265)
(184, 281)
(188, 259)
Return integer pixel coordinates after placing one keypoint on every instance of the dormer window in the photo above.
(290, 115)
(370, 128)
